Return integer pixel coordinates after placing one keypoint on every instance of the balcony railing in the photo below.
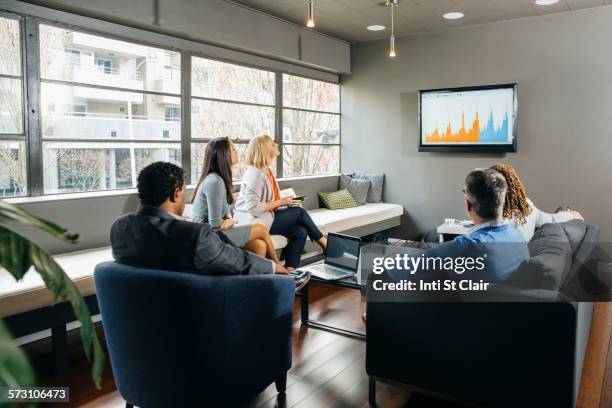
(132, 74)
(110, 126)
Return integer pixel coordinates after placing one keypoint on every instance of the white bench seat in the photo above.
(30, 293)
(350, 218)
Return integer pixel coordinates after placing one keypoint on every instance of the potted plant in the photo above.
(18, 255)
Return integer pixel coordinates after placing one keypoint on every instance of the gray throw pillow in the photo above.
(376, 186)
(345, 180)
(357, 187)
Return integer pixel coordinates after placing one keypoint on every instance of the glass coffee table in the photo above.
(357, 281)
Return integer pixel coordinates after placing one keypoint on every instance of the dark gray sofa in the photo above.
(526, 353)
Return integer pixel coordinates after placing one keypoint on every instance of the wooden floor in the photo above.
(328, 369)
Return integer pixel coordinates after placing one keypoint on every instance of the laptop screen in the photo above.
(343, 251)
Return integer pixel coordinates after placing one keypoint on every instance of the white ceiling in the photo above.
(347, 19)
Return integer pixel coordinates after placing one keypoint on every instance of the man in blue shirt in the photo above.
(502, 245)
(489, 253)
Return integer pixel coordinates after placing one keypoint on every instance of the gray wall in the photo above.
(221, 23)
(563, 66)
(92, 217)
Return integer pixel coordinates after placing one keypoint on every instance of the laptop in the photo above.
(341, 258)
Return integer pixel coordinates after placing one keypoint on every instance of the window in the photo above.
(73, 57)
(78, 110)
(229, 100)
(311, 127)
(13, 180)
(117, 117)
(104, 65)
(172, 113)
(168, 72)
(104, 108)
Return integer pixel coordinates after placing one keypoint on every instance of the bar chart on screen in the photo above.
(468, 117)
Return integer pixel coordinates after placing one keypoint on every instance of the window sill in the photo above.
(309, 177)
(288, 179)
(69, 196)
(125, 192)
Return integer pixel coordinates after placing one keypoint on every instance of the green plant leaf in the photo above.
(18, 254)
(15, 368)
(14, 213)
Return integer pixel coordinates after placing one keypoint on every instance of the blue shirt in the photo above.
(497, 246)
(504, 247)
(492, 231)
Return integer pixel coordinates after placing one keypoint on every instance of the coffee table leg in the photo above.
(321, 325)
(304, 303)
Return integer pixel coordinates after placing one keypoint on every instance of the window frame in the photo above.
(123, 143)
(339, 114)
(23, 77)
(279, 112)
(31, 91)
(277, 97)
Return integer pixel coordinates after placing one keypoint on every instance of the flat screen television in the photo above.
(478, 119)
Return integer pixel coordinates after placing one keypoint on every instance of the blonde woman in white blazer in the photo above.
(259, 201)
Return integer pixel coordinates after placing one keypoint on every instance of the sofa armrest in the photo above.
(507, 293)
(604, 274)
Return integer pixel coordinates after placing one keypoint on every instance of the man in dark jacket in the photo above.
(156, 236)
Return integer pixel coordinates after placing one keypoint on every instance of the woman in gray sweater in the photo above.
(520, 210)
(213, 197)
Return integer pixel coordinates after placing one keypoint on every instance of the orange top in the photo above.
(274, 184)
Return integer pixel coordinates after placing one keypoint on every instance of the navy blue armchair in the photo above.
(192, 340)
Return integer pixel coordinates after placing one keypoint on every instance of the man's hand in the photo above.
(576, 215)
(227, 224)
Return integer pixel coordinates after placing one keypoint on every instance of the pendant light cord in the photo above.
(392, 25)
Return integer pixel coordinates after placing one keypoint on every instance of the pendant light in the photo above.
(310, 23)
(392, 4)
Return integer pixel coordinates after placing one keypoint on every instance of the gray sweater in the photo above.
(210, 204)
(538, 218)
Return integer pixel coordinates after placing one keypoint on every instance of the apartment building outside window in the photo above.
(105, 115)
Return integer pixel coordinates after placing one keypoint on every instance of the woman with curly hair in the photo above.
(520, 210)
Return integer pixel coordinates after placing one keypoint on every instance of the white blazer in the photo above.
(256, 190)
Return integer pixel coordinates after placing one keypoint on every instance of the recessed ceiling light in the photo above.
(453, 16)
(545, 2)
(375, 27)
